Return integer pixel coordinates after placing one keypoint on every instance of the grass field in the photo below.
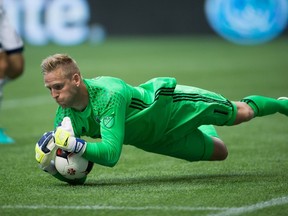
(252, 181)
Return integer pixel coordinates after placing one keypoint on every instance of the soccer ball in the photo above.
(72, 166)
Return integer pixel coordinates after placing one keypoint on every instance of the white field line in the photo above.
(223, 211)
(124, 208)
(252, 208)
(26, 102)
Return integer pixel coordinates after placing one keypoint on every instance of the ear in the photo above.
(76, 79)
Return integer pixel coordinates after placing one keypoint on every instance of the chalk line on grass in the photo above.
(252, 208)
(229, 211)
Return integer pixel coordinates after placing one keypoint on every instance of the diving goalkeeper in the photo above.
(159, 116)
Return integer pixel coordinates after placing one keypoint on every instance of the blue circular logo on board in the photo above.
(247, 21)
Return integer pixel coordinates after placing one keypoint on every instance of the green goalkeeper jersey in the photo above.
(142, 116)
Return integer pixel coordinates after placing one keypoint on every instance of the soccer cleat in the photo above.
(282, 98)
(285, 100)
(4, 139)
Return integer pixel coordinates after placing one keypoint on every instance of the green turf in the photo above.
(144, 183)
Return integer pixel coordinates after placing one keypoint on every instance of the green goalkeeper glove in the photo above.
(66, 140)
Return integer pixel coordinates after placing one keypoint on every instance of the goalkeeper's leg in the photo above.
(202, 144)
(257, 106)
(220, 151)
(263, 106)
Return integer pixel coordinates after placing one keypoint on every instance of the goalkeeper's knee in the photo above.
(220, 150)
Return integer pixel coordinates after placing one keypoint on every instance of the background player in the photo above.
(11, 59)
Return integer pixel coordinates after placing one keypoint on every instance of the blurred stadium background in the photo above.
(71, 22)
(137, 40)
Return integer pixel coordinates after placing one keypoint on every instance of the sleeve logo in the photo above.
(109, 121)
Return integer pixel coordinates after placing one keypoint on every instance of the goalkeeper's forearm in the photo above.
(103, 153)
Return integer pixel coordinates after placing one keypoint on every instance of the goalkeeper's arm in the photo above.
(106, 152)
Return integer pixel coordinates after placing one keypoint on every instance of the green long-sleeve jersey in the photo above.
(119, 113)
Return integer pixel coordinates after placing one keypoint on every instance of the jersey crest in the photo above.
(109, 121)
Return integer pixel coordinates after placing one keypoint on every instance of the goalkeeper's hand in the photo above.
(65, 138)
(45, 153)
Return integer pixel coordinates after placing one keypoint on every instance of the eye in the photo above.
(58, 86)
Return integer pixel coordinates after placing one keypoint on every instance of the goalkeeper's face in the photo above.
(65, 90)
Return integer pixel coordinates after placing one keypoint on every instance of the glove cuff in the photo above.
(80, 146)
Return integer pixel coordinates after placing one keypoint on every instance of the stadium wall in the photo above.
(150, 17)
(71, 22)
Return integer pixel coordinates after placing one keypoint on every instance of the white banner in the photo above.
(63, 22)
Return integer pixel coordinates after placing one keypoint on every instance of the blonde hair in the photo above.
(68, 65)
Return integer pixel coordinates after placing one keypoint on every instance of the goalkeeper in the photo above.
(158, 116)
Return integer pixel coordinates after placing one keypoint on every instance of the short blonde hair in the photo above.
(56, 61)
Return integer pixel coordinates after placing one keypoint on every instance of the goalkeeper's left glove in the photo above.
(66, 140)
(45, 153)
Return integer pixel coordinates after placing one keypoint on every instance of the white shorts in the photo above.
(10, 41)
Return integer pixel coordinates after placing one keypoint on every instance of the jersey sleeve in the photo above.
(112, 124)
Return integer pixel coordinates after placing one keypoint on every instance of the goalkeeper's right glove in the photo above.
(65, 138)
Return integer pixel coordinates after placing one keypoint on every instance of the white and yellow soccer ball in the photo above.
(72, 166)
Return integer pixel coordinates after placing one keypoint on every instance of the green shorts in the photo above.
(191, 124)
(195, 146)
